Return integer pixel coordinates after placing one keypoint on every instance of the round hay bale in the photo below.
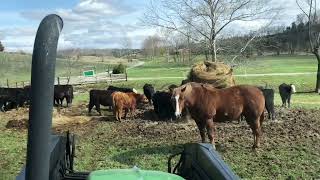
(216, 73)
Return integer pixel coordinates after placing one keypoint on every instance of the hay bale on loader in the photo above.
(216, 73)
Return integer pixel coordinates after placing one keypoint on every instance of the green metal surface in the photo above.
(132, 174)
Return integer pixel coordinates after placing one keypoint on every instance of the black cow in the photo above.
(163, 105)
(148, 91)
(61, 92)
(286, 90)
(4, 99)
(15, 97)
(97, 97)
(125, 90)
(269, 101)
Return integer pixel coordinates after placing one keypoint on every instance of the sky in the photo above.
(90, 23)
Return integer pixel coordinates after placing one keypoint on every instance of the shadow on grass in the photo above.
(130, 156)
(306, 92)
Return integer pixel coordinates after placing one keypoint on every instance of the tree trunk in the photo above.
(318, 78)
(213, 51)
(316, 53)
(206, 53)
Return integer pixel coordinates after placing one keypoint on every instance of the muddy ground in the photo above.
(295, 133)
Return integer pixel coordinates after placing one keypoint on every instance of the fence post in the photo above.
(16, 84)
(8, 83)
(58, 80)
(110, 77)
(126, 76)
(23, 83)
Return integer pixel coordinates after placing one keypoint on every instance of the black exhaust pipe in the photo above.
(42, 84)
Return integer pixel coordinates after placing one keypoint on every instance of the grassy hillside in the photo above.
(17, 67)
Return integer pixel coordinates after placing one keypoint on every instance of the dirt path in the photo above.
(139, 63)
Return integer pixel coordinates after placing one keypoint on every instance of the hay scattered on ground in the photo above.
(61, 116)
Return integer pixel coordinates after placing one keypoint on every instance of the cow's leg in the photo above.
(115, 113)
(90, 107)
(201, 126)
(68, 99)
(283, 99)
(289, 100)
(132, 110)
(60, 102)
(125, 113)
(119, 114)
(210, 131)
(98, 109)
(256, 130)
(273, 117)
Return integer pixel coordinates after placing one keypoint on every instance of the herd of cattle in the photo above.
(127, 99)
(203, 102)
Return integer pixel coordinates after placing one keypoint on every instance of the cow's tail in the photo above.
(261, 118)
(113, 101)
(90, 99)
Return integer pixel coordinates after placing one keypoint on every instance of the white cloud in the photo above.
(89, 24)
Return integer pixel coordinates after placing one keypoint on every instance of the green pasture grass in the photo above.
(17, 67)
(268, 64)
(12, 150)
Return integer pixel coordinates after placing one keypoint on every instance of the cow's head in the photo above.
(142, 99)
(293, 88)
(180, 97)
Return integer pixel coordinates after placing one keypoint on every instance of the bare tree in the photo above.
(309, 9)
(71, 61)
(205, 18)
(151, 46)
(126, 44)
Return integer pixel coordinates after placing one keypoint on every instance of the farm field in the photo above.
(290, 148)
(17, 67)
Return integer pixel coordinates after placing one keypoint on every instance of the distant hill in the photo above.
(97, 52)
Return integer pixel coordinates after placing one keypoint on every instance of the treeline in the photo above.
(98, 52)
(276, 40)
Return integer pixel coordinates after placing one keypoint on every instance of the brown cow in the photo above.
(208, 105)
(127, 102)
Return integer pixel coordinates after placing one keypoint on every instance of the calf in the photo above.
(286, 90)
(148, 91)
(269, 101)
(127, 102)
(61, 92)
(125, 90)
(162, 105)
(97, 97)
